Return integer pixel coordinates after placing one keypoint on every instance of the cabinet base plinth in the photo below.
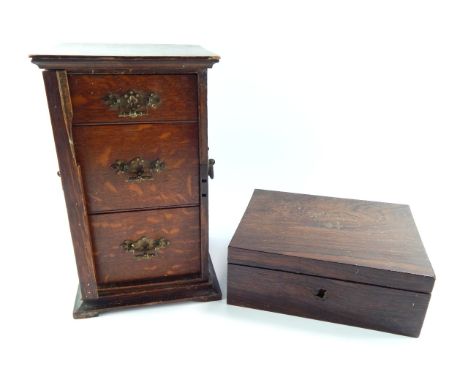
(202, 292)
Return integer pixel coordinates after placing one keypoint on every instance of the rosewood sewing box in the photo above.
(346, 261)
(130, 128)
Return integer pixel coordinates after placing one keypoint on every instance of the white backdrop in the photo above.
(358, 99)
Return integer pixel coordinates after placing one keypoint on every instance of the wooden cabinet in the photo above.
(130, 127)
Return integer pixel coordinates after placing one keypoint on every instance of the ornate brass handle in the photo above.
(138, 168)
(133, 103)
(144, 248)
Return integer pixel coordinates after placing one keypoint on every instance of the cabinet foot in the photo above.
(197, 291)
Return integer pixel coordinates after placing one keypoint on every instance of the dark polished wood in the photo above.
(357, 242)
(177, 93)
(203, 155)
(357, 234)
(125, 58)
(367, 306)
(140, 233)
(60, 116)
(98, 147)
(181, 226)
(204, 291)
(335, 270)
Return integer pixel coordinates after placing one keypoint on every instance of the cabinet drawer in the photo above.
(124, 98)
(113, 233)
(138, 166)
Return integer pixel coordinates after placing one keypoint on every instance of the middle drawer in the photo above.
(128, 167)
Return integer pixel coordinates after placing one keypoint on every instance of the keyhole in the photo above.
(321, 293)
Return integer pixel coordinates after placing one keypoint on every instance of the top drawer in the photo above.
(133, 98)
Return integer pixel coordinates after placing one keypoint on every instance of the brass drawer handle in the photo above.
(133, 103)
(144, 248)
(138, 168)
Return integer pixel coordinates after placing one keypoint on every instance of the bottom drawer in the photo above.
(368, 306)
(146, 245)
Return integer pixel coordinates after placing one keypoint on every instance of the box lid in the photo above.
(354, 240)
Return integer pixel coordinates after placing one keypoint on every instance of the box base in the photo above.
(342, 302)
(202, 292)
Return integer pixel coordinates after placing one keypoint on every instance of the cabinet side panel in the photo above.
(203, 155)
(367, 306)
(60, 115)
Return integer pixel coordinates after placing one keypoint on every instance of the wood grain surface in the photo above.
(125, 58)
(104, 208)
(60, 111)
(181, 226)
(367, 306)
(204, 290)
(203, 156)
(178, 95)
(359, 236)
(97, 147)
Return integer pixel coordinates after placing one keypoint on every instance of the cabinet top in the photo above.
(121, 56)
